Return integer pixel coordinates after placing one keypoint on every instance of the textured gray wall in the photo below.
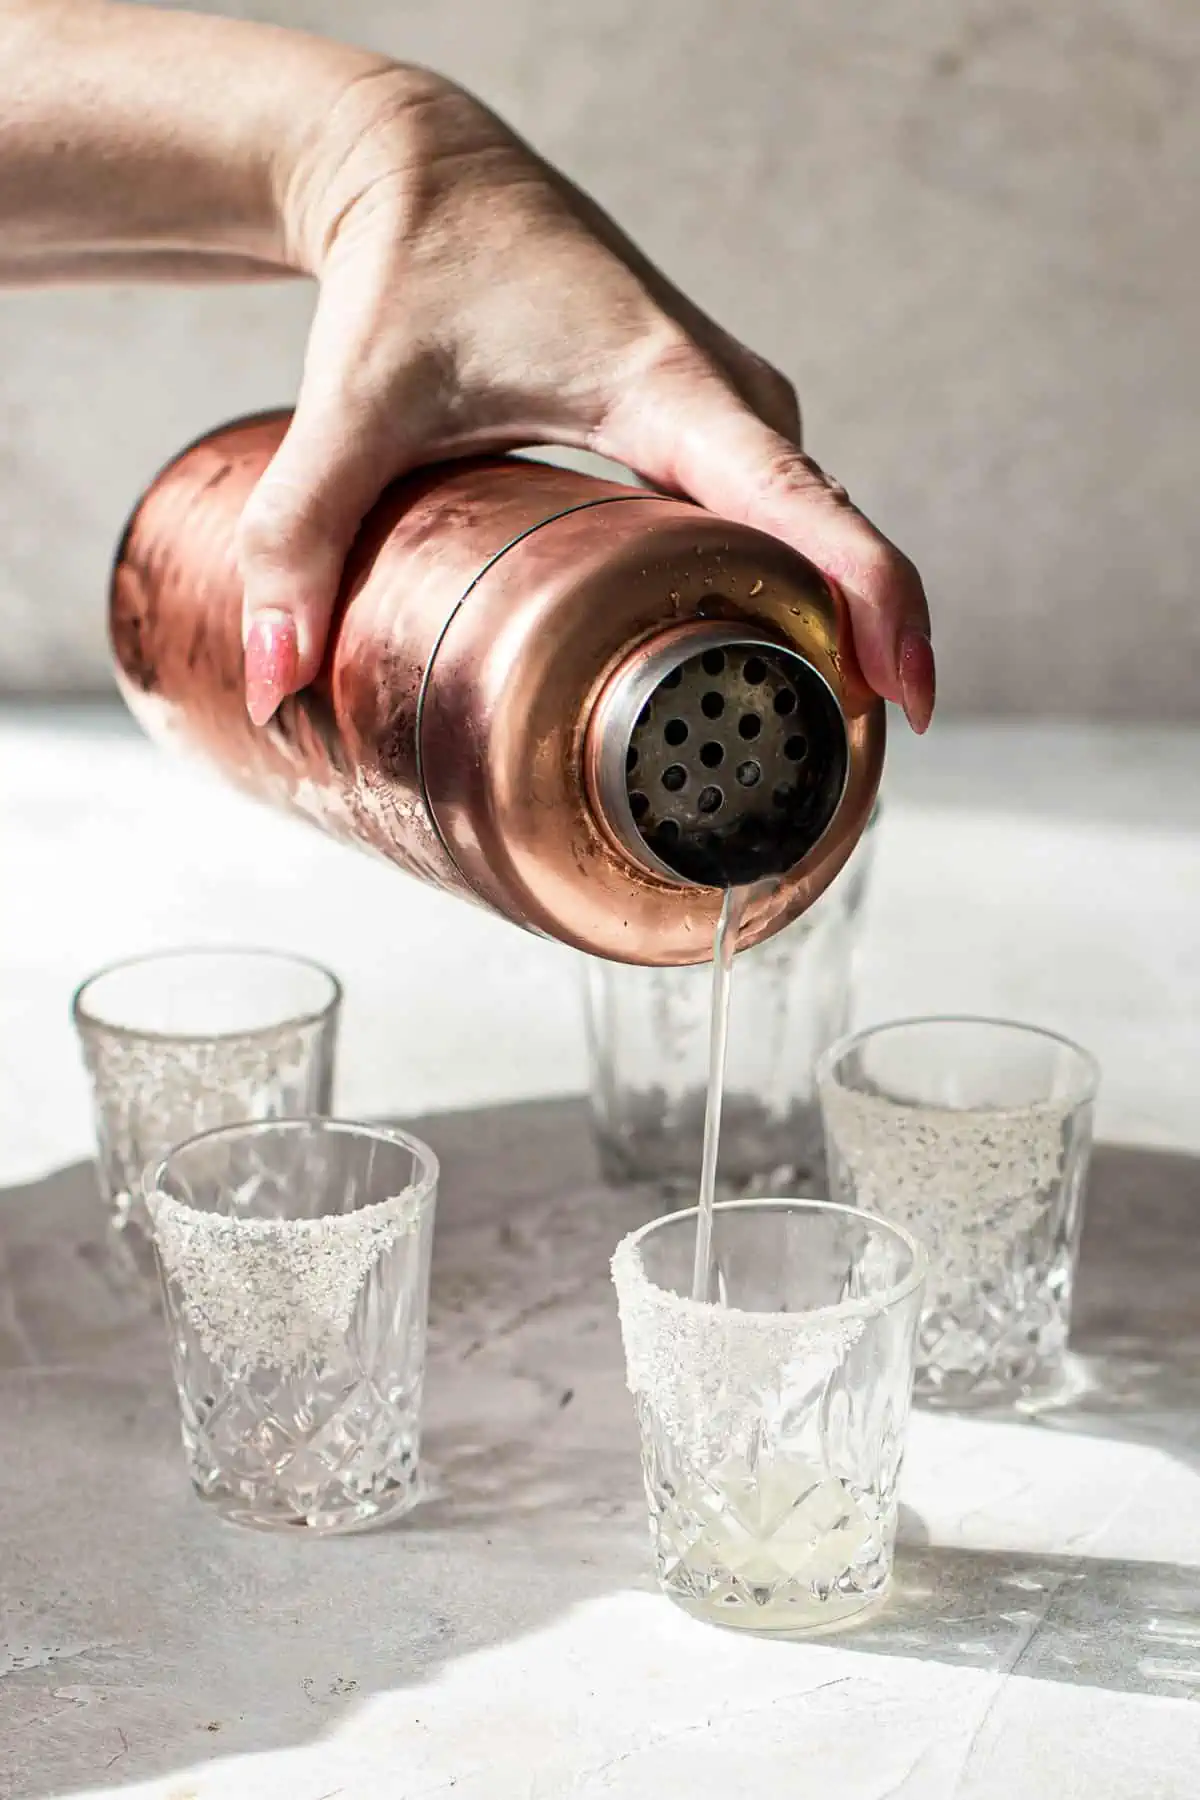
(969, 229)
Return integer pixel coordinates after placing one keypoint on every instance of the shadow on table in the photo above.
(1135, 1339)
(1129, 1627)
(145, 1637)
(141, 1636)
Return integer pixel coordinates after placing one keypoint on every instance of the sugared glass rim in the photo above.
(420, 1190)
(869, 1307)
(1077, 1094)
(84, 1018)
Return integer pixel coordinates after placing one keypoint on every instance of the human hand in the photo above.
(471, 299)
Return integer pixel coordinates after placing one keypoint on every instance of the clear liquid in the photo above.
(733, 911)
(784, 1548)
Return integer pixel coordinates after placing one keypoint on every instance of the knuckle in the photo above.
(786, 468)
(665, 350)
(660, 365)
(815, 476)
(267, 527)
(284, 526)
(889, 571)
(762, 387)
(773, 395)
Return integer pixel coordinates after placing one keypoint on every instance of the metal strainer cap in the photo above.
(722, 757)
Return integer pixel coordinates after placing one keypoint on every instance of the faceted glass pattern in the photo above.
(975, 1135)
(295, 1263)
(186, 1041)
(647, 1035)
(772, 1423)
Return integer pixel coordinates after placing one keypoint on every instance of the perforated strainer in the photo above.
(723, 758)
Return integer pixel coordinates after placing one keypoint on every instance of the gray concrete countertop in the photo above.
(506, 1642)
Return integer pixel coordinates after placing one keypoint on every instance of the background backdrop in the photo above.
(968, 229)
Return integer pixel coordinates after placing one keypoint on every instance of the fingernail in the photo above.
(918, 677)
(271, 661)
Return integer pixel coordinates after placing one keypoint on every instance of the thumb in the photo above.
(689, 433)
(293, 537)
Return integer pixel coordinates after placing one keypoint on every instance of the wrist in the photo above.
(361, 130)
(136, 132)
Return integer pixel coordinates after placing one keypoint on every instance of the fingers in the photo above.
(292, 542)
(765, 391)
(348, 438)
(685, 430)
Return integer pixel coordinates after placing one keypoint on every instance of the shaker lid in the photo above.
(721, 755)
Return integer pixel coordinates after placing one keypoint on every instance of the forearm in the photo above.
(138, 143)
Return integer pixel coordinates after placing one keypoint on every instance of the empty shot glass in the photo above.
(975, 1135)
(773, 1421)
(183, 1041)
(295, 1264)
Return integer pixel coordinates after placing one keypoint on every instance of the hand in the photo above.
(471, 299)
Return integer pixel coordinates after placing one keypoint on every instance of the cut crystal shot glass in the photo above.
(975, 1135)
(295, 1257)
(183, 1041)
(772, 1421)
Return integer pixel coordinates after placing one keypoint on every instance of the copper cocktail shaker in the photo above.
(587, 706)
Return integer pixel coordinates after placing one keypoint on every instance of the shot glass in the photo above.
(648, 1046)
(294, 1256)
(773, 1421)
(186, 1040)
(975, 1135)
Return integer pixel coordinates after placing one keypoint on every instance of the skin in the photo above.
(470, 298)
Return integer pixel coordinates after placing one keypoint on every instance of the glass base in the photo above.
(371, 1515)
(991, 1344)
(786, 1549)
(1043, 1388)
(783, 1619)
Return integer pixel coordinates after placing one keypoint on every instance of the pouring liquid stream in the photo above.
(733, 910)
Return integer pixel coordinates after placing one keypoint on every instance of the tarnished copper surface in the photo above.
(344, 752)
(519, 674)
(479, 620)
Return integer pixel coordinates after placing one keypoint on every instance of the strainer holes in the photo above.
(631, 761)
(672, 679)
(713, 662)
(796, 748)
(712, 704)
(782, 797)
(749, 726)
(675, 732)
(785, 702)
(668, 832)
(674, 778)
(639, 805)
(749, 774)
(755, 670)
(712, 755)
(710, 800)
